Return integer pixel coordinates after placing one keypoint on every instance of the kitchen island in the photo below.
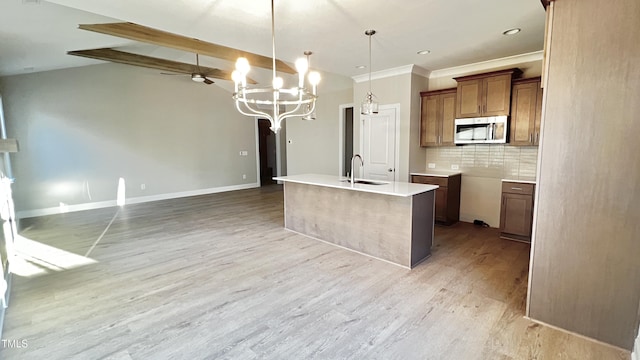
(391, 221)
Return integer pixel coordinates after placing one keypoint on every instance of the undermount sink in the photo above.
(366, 182)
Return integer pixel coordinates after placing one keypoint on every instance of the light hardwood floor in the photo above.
(217, 277)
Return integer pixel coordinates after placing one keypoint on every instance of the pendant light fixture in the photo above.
(311, 114)
(370, 103)
(249, 100)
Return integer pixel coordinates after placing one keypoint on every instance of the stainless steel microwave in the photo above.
(485, 130)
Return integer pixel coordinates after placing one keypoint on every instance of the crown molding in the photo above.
(486, 65)
(400, 70)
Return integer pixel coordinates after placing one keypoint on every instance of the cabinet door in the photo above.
(448, 116)
(516, 214)
(441, 204)
(497, 95)
(523, 113)
(469, 97)
(536, 126)
(429, 129)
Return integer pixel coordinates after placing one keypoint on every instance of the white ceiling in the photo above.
(35, 35)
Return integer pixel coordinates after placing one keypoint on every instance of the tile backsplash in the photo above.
(494, 161)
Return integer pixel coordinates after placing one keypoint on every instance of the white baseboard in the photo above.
(133, 200)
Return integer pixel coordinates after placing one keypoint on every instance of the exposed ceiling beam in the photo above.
(546, 3)
(148, 35)
(122, 57)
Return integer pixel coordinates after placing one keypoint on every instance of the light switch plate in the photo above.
(455, 167)
(431, 166)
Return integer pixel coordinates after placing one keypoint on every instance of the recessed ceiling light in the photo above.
(424, 52)
(511, 31)
(361, 67)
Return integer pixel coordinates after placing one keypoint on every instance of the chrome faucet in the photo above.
(352, 169)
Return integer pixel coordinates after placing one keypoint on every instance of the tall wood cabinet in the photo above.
(437, 116)
(516, 211)
(526, 112)
(447, 195)
(487, 94)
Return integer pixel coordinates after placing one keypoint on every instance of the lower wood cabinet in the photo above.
(516, 211)
(447, 196)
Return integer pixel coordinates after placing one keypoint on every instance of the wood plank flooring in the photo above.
(217, 277)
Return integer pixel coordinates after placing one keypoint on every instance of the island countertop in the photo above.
(394, 188)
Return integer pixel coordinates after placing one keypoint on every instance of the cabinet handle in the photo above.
(478, 109)
(535, 139)
(516, 188)
(531, 138)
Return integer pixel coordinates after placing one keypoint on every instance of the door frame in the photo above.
(341, 120)
(396, 107)
(278, 151)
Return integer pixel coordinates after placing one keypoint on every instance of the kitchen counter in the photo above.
(391, 222)
(436, 172)
(528, 181)
(394, 188)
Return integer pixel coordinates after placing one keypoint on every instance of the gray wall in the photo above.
(81, 129)
(584, 274)
(313, 146)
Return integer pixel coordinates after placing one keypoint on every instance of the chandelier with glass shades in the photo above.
(255, 100)
(370, 103)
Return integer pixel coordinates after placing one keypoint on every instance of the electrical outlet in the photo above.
(143, 186)
(455, 167)
(431, 166)
(244, 153)
(244, 176)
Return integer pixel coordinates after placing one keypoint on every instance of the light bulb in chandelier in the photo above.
(242, 65)
(278, 83)
(369, 105)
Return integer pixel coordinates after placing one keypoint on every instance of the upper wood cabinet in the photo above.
(486, 94)
(437, 116)
(526, 112)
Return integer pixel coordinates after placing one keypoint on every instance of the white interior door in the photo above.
(379, 145)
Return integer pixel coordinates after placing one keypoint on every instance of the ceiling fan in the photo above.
(199, 73)
(197, 76)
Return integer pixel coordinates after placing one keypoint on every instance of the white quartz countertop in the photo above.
(394, 188)
(520, 181)
(438, 172)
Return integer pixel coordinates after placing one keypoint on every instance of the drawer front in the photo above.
(517, 188)
(430, 180)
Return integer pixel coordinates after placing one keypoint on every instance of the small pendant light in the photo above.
(370, 103)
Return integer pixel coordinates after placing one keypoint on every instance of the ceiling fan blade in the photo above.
(148, 35)
(122, 57)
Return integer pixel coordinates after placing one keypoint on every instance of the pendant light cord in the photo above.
(273, 38)
(370, 63)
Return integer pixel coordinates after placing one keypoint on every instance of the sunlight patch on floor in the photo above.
(34, 259)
